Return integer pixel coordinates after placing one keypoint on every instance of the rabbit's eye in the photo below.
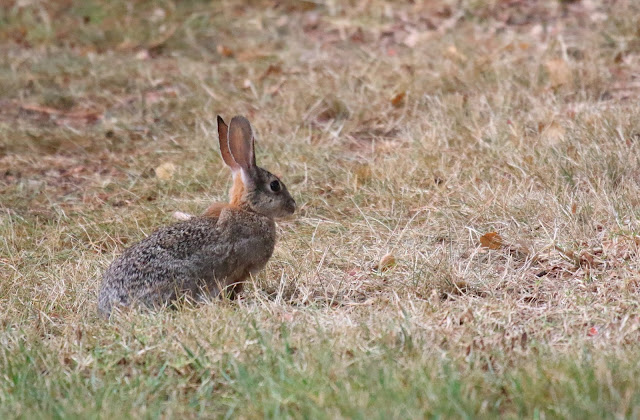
(275, 186)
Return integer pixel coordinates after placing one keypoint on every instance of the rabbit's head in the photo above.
(254, 188)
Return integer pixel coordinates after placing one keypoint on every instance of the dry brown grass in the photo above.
(404, 129)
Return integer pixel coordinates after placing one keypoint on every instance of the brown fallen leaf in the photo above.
(165, 171)
(310, 20)
(398, 100)
(155, 96)
(354, 271)
(569, 254)
(467, 317)
(414, 38)
(552, 134)
(273, 69)
(453, 53)
(559, 72)
(126, 45)
(491, 240)
(224, 51)
(386, 263)
(143, 55)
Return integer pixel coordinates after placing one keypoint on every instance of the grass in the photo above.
(404, 129)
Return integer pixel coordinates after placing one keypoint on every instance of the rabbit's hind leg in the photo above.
(234, 288)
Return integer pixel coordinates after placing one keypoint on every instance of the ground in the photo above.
(466, 242)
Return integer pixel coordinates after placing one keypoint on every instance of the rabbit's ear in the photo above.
(241, 142)
(223, 136)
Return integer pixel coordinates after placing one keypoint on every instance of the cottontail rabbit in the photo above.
(208, 254)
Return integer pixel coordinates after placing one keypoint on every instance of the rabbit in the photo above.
(209, 254)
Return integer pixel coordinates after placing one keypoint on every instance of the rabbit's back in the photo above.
(152, 270)
(201, 254)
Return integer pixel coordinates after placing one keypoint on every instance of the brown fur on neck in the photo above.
(215, 209)
(236, 195)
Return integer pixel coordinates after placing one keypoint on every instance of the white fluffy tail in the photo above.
(178, 215)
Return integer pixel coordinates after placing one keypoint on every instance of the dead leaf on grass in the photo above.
(398, 100)
(332, 109)
(224, 51)
(386, 263)
(569, 254)
(491, 240)
(357, 36)
(273, 69)
(467, 317)
(310, 20)
(287, 317)
(165, 171)
(453, 53)
(553, 133)
(156, 96)
(559, 72)
(143, 55)
(414, 38)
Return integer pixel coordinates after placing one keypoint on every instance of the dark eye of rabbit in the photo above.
(275, 186)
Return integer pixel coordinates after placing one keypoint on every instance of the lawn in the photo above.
(467, 237)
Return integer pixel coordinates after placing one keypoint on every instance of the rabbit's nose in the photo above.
(291, 206)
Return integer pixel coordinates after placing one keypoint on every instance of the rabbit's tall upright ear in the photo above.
(241, 142)
(223, 137)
